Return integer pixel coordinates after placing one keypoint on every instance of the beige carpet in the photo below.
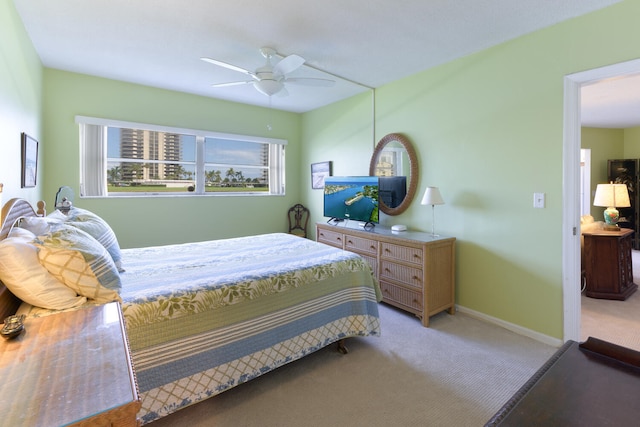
(614, 321)
(458, 372)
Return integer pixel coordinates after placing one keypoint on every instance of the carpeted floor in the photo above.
(614, 321)
(458, 372)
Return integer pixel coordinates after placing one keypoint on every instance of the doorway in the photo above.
(571, 188)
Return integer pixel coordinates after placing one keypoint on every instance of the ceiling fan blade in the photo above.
(229, 66)
(232, 83)
(288, 64)
(310, 81)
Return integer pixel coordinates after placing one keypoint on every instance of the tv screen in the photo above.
(351, 197)
(393, 189)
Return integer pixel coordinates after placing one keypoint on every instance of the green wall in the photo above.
(20, 103)
(488, 129)
(153, 221)
(632, 143)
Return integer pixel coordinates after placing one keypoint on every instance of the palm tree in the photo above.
(114, 174)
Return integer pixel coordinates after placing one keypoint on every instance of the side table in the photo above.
(609, 268)
(70, 368)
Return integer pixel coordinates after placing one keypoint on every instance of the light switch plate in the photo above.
(538, 200)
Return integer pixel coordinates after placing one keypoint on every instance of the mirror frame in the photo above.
(413, 181)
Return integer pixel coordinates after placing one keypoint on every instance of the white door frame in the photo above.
(571, 188)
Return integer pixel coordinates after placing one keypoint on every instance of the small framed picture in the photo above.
(318, 172)
(29, 161)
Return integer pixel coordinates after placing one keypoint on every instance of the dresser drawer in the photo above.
(401, 273)
(361, 245)
(331, 238)
(402, 253)
(402, 297)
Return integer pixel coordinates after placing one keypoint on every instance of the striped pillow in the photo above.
(80, 262)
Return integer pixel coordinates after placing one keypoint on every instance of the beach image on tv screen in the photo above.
(354, 198)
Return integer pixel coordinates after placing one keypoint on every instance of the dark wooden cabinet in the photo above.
(609, 268)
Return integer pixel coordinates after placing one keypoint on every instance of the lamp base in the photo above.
(609, 227)
(611, 216)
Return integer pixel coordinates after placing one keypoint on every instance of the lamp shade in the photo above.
(432, 196)
(612, 196)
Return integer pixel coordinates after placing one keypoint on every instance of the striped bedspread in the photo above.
(204, 317)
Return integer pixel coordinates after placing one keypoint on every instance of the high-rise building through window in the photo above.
(137, 144)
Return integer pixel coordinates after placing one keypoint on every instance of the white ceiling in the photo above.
(367, 42)
(612, 103)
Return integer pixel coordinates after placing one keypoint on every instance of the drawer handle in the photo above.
(350, 242)
(416, 256)
(386, 250)
(415, 278)
(372, 247)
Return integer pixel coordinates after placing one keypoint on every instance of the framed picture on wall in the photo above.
(29, 161)
(318, 172)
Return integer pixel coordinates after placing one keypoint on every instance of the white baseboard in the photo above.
(546, 339)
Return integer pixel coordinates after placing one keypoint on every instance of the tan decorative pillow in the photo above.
(80, 262)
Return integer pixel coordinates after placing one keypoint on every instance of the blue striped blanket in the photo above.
(204, 317)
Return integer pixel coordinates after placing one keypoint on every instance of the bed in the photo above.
(204, 317)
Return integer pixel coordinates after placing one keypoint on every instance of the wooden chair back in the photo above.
(298, 217)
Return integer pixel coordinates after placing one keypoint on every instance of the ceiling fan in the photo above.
(270, 79)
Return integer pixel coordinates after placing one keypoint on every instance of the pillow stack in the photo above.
(58, 261)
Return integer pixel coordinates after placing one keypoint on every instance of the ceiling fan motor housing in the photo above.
(268, 86)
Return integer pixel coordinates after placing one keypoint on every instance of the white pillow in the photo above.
(26, 278)
(80, 262)
(38, 225)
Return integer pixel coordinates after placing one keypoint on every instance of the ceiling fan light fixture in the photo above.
(268, 86)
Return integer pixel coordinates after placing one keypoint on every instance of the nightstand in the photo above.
(608, 264)
(69, 368)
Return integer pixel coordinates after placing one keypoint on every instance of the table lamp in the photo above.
(611, 196)
(432, 197)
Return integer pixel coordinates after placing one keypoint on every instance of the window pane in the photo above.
(236, 179)
(150, 145)
(229, 152)
(175, 160)
(158, 161)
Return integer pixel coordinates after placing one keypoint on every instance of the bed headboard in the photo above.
(13, 210)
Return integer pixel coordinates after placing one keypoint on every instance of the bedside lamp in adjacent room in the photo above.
(611, 196)
(432, 197)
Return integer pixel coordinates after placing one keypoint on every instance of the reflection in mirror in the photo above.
(395, 162)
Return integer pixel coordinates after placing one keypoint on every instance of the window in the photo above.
(127, 159)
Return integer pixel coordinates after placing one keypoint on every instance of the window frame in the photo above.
(276, 163)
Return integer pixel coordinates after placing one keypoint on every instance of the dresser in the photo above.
(71, 368)
(608, 264)
(416, 271)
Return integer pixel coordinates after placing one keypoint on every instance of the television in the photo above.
(351, 198)
(393, 189)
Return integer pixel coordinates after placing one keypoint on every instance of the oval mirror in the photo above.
(394, 161)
